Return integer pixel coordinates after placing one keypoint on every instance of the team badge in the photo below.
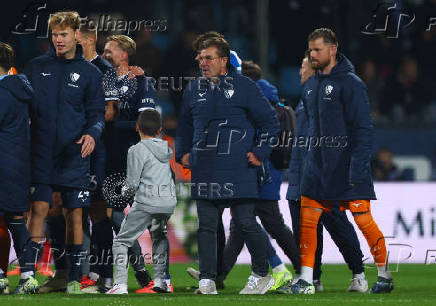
(328, 89)
(74, 76)
(228, 93)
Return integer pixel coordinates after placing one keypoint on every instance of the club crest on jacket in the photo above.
(228, 93)
(74, 76)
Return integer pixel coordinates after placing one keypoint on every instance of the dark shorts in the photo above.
(71, 197)
(98, 164)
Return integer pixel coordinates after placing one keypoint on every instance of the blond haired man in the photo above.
(67, 120)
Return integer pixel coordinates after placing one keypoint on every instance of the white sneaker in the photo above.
(91, 289)
(206, 286)
(160, 285)
(118, 289)
(295, 279)
(170, 288)
(195, 274)
(257, 284)
(358, 285)
(318, 285)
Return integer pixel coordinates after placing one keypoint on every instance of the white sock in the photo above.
(384, 272)
(168, 282)
(359, 275)
(280, 268)
(26, 275)
(108, 282)
(94, 276)
(306, 274)
(159, 282)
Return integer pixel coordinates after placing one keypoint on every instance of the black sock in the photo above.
(102, 231)
(56, 227)
(94, 258)
(75, 257)
(25, 248)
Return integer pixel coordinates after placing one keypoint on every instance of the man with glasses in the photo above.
(216, 138)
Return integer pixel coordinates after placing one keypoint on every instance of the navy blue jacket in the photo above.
(15, 97)
(340, 136)
(109, 77)
(270, 191)
(217, 126)
(135, 95)
(69, 102)
(298, 153)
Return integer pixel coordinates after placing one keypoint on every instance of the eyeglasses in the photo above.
(207, 59)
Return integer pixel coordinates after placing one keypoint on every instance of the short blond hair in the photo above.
(65, 19)
(125, 43)
(88, 31)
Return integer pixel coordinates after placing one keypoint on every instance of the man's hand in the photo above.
(111, 110)
(185, 161)
(252, 159)
(135, 71)
(88, 144)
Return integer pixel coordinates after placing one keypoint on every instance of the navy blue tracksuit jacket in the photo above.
(298, 153)
(341, 136)
(69, 102)
(218, 128)
(340, 229)
(15, 98)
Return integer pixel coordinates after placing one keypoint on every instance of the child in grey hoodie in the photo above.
(150, 180)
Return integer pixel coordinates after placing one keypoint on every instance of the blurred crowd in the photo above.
(398, 72)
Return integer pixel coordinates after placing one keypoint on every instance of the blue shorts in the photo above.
(98, 161)
(71, 197)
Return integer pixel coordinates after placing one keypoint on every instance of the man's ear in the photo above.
(137, 127)
(125, 56)
(76, 34)
(334, 50)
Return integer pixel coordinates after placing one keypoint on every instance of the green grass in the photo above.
(414, 285)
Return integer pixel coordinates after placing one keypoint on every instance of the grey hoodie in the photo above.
(149, 176)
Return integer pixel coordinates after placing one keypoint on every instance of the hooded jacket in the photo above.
(15, 97)
(149, 176)
(337, 164)
(218, 126)
(271, 190)
(298, 153)
(69, 102)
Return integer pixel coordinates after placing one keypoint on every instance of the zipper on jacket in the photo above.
(58, 102)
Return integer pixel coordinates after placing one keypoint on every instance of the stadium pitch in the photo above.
(414, 285)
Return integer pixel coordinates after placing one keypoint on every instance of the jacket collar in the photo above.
(78, 56)
(343, 65)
